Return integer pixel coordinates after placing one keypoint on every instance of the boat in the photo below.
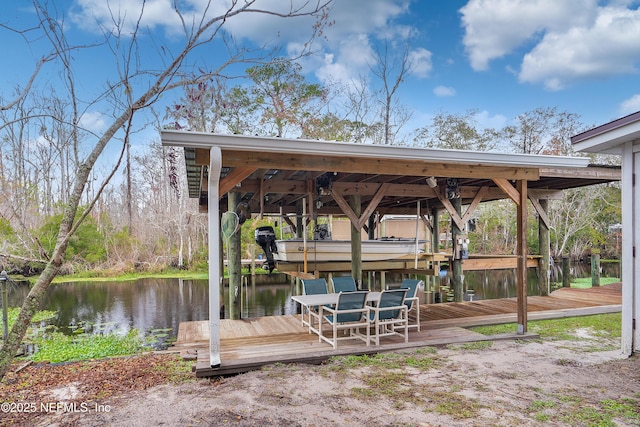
(328, 250)
(293, 250)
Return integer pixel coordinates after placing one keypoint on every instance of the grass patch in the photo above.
(585, 282)
(56, 347)
(622, 408)
(600, 325)
(471, 346)
(422, 359)
(40, 316)
(572, 410)
(454, 405)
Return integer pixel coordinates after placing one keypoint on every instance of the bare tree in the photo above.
(136, 90)
(391, 70)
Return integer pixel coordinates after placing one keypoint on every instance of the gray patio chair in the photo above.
(344, 284)
(390, 317)
(412, 300)
(349, 316)
(313, 287)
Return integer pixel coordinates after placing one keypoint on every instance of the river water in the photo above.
(157, 306)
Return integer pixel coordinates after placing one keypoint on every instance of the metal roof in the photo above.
(609, 137)
(284, 171)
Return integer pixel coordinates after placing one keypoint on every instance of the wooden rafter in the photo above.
(508, 189)
(373, 165)
(474, 204)
(461, 221)
(234, 178)
(359, 222)
(541, 212)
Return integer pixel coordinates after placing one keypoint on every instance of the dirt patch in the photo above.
(503, 383)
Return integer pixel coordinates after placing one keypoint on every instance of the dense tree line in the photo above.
(148, 222)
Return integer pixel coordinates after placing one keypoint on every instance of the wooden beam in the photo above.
(541, 212)
(281, 186)
(346, 209)
(291, 224)
(373, 204)
(374, 166)
(521, 251)
(508, 189)
(496, 262)
(544, 194)
(202, 157)
(474, 204)
(233, 178)
(449, 207)
(592, 172)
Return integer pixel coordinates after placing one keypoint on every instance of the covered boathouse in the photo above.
(287, 176)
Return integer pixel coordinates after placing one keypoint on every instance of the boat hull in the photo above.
(340, 250)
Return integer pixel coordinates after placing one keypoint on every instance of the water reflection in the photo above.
(152, 304)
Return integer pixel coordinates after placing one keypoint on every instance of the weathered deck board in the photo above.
(250, 343)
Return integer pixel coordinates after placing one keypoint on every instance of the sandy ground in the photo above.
(509, 383)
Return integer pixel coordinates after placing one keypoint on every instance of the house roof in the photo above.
(275, 174)
(609, 137)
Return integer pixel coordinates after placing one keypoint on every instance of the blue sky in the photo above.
(498, 57)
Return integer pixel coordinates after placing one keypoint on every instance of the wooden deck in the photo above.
(251, 343)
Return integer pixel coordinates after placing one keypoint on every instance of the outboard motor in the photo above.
(266, 238)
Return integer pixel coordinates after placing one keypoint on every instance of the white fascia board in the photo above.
(611, 141)
(347, 149)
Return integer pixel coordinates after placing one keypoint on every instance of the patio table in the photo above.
(320, 300)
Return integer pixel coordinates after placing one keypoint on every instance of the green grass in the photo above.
(454, 405)
(471, 346)
(422, 359)
(56, 347)
(40, 316)
(585, 282)
(601, 325)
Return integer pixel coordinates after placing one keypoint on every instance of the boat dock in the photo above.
(249, 344)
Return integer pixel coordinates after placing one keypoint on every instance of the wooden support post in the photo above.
(356, 241)
(299, 219)
(521, 272)
(566, 272)
(595, 270)
(544, 245)
(234, 262)
(435, 248)
(252, 249)
(456, 261)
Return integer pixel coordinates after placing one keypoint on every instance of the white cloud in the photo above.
(93, 121)
(565, 41)
(343, 53)
(486, 121)
(630, 105)
(494, 28)
(444, 91)
(607, 47)
(351, 59)
(90, 15)
(420, 62)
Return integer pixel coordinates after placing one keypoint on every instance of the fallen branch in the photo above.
(20, 258)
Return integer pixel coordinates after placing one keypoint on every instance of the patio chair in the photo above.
(412, 300)
(349, 315)
(313, 287)
(390, 316)
(344, 284)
